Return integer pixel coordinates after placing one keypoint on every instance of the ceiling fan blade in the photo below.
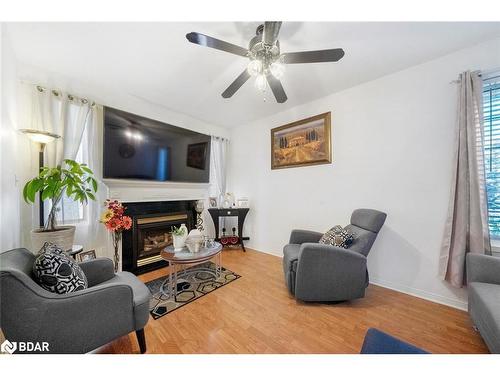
(237, 83)
(208, 41)
(277, 88)
(326, 55)
(271, 31)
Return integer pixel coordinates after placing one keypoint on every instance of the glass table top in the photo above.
(185, 255)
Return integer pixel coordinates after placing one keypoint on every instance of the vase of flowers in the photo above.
(115, 222)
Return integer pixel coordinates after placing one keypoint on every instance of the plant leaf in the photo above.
(47, 193)
(87, 169)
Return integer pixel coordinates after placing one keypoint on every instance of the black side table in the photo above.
(240, 213)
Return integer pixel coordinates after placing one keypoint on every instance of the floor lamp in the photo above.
(42, 138)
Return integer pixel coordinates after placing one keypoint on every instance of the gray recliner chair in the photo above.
(483, 283)
(113, 305)
(322, 273)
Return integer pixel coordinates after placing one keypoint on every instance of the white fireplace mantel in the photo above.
(151, 191)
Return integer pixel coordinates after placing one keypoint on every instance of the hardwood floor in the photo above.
(255, 314)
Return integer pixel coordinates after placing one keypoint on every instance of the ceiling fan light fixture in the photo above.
(261, 82)
(277, 69)
(266, 64)
(255, 67)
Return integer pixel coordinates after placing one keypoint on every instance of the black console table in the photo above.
(240, 213)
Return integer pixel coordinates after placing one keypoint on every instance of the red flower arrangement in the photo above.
(116, 222)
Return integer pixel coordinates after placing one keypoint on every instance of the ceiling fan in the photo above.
(267, 63)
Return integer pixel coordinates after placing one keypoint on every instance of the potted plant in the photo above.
(72, 179)
(179, 235)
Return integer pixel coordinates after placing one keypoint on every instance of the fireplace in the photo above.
(152, 223)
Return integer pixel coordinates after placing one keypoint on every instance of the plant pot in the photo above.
(178, 242)
(63, 237)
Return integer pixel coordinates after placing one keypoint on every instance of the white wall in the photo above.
(9, 190)
(392, 151)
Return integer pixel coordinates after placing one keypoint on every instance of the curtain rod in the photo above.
(58, 92)
(219, 137)
(488, 74)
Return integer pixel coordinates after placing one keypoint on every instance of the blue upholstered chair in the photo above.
(378, 342)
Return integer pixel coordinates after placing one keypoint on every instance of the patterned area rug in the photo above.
(189, 289)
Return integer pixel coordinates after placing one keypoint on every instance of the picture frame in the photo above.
(212, 202)
(86, 255)
(302, 143)
(197, 155)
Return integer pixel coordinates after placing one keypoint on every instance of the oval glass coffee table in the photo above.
(181, 263)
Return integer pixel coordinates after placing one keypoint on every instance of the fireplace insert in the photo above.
(153, 235)
(150, 234)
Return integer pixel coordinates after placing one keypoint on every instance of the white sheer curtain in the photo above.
(90, 232)
(60, 113)
(218, 155)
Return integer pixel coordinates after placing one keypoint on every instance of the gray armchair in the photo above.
(113, 305)
(483, 284)
(317, 272)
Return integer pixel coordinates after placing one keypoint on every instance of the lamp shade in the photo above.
(40, 136)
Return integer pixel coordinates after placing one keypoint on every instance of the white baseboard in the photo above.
(265, 252)
(433, 297)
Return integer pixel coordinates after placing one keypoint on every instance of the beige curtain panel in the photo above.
(466, 228)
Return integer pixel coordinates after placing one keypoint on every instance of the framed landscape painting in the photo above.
(301, 143)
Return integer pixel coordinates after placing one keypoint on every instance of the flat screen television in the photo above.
(143, 149)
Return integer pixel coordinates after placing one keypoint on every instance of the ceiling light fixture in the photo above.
(254, 67)
(277, 69)
(266, 59)
(261, 82)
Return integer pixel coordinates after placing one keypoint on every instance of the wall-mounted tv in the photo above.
(143, 149)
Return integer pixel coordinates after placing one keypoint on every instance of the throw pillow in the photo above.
(57, 272)
(337, 236)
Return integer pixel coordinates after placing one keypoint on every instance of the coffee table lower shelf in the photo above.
(182, 266)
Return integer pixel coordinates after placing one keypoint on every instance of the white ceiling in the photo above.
(154, 61)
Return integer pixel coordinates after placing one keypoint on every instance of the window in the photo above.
(72, 212)
(491, 111)
(69, 211)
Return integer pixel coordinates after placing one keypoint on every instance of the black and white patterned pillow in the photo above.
(57, 272)
(337, 236)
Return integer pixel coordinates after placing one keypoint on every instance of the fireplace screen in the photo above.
(153, 235)
(154, 240)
